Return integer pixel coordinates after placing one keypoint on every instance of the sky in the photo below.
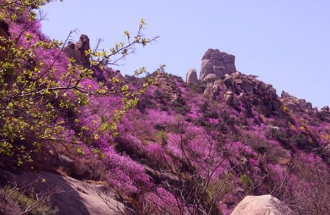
(285, 43)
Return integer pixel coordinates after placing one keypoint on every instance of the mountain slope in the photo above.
(186, 148)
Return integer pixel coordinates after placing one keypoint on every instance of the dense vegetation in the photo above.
(167, 148)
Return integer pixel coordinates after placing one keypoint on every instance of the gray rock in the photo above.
(325, 109)
(228, 81)
(272, 93)
(309, 105)
(228, 58)
(230, 67)
(261, 205)
(70, 196)
(291, 106)
(234, 101)
(216, 54)
(191, 76)
(209, 76)
(248, 86)
(305, 105)
(78, 50)
(212, 89)
(216, 62)
(219, 71)
(208, 54)
(207, 68)
(229, 95)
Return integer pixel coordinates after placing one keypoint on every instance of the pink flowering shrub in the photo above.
(124, 174)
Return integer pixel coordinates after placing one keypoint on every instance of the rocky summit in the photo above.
(216, 64)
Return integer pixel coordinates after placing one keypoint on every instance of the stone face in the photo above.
(191, 76)
(261, 205)
(216, 62)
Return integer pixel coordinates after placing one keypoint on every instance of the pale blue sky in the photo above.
(285, 42)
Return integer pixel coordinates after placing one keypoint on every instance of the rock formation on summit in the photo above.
(77, 50)
(216, 64)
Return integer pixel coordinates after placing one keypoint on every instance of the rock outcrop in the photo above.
(167, 85)
(292, 103)
(237, 88)
(325, 109)
(230, 99)
(261, 205)
(78, 50)
(192, 76)
(70, 196)
(216, 64)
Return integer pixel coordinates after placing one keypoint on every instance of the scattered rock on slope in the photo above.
(261, 205)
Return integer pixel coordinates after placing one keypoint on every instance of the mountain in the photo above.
(187, 147)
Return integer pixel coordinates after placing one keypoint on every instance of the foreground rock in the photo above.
(70, 196)
(261, 205)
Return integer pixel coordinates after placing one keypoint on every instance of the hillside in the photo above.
(79, 138)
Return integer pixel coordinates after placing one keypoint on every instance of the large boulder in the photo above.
(261, 205)
(69, 195)
(191, 76)
(216, 62)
